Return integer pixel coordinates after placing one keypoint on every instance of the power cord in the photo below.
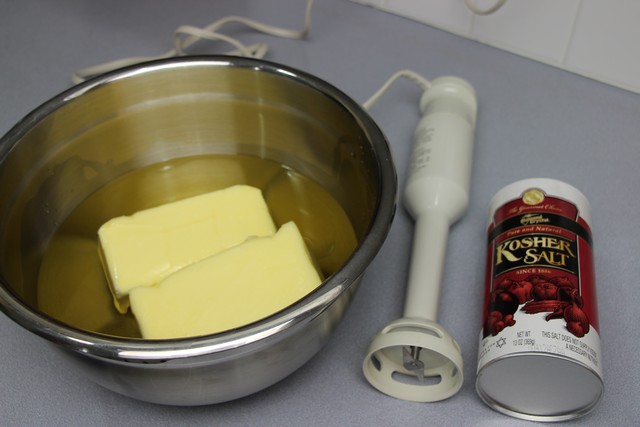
(417, 78)
(408, 74)
(186, 35)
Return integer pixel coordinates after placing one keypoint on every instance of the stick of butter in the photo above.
(144, 248)
(241, 285)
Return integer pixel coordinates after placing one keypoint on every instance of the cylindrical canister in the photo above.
(539, 354)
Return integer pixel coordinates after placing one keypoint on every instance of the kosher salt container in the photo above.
(539, 355)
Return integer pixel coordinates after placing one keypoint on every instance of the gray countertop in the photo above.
(533, 121)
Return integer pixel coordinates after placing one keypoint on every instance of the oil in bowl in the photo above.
(72, 286)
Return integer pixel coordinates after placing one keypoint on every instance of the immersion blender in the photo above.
(414, 358)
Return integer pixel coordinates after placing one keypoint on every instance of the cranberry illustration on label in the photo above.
(544, 291)
(561, 301)
(521, 290)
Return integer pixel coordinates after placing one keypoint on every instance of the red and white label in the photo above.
(540, 282)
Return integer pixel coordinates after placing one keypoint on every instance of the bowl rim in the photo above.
(292, 317)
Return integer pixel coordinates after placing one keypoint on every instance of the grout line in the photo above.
(471, 24)
(567, 47)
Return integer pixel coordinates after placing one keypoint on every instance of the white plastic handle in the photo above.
(437, 189)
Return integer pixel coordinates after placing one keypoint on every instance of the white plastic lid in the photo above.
(551, 187)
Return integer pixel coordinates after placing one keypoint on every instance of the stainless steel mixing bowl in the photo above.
(176, 108)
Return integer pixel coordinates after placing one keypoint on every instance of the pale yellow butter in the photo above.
(144, 248)
(231, 289)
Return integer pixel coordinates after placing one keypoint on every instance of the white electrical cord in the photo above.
(186, 35)
(408, 74)
(472, 5)
(417, 78)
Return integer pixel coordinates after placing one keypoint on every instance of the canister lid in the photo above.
(550, 187)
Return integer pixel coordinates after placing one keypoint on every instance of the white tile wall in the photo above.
(452, 16)
(606, 42)
(596, 38)
(540, 29)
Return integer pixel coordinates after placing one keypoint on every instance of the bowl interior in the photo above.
(148, 135)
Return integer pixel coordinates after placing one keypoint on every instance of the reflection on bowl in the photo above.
(161, 131)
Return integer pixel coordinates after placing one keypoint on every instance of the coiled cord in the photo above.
(186, 35)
